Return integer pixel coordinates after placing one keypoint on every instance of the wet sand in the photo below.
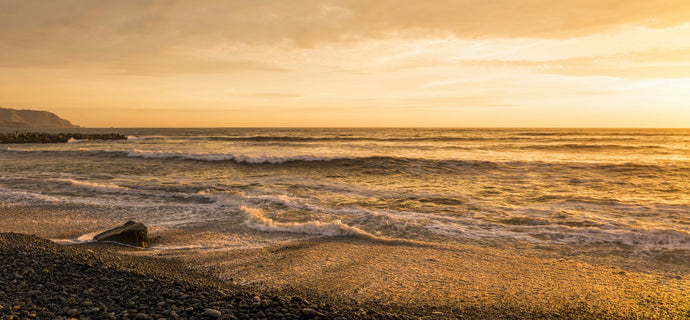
(458, 280)
(417, 280)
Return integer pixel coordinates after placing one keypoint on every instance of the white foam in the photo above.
(285, 200)
(116, 189)
(227, 157)
(668, 239)
(87, 237)
(17, 196)
(72, 140)
(255, 219)
(84, 238)
(94, 186)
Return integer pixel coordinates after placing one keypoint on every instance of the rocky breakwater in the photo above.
(44, 280)
(41, 137)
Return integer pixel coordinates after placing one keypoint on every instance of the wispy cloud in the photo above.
(112, 29)
(658, 63)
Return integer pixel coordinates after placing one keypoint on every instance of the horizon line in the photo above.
(368, 127)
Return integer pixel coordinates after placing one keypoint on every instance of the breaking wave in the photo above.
(255, 219)
(373, 162)
(106, 187)
(18, 196)
(227, 157)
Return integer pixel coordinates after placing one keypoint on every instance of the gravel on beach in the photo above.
(44, 280)
(40, 279)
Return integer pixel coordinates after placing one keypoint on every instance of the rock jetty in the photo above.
(39, 137)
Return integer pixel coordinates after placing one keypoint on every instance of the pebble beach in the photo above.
(320, 279)
(44, 280)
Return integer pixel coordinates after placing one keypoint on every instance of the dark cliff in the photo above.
(29, 119)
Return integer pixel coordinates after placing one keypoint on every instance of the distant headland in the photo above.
(19, 126)
(31, 119)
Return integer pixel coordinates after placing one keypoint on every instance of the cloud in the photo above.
(125, 110)
(53, 32)
(652, 64)
(167, 65)
(269, 95)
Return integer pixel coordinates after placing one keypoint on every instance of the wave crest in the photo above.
(227, 157)
(255, 219)
(94, 186)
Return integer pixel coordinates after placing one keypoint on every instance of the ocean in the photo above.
(237, 188)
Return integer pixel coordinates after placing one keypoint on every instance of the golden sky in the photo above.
(460, 63)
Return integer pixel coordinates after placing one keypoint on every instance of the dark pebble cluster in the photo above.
(41, 137)
(43, 280)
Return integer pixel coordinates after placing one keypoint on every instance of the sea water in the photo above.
(249, 187)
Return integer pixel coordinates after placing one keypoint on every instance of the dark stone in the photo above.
(212, 313)
(296, 299)
(131, 233)
(310, 313)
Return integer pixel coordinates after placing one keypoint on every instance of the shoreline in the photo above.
(353, 278)
(41, 272)
(51, 281)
